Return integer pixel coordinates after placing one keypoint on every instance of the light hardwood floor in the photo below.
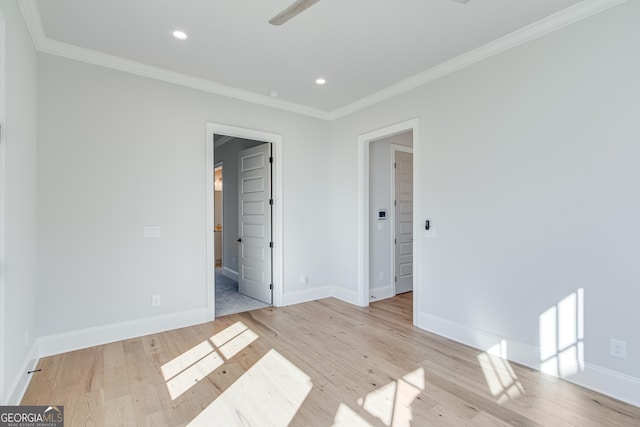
(321, 363)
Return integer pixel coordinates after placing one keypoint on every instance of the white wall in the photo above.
(18, 169)
(118, 152)
(380, 248)
(529, 174)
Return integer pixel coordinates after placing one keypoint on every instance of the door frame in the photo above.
(394, 149)
(276, 141)
(364, 142)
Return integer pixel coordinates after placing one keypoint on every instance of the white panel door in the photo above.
(254, 223)
(403, 222)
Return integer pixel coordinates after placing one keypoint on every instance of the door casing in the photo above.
(363, 206)
(278, 233)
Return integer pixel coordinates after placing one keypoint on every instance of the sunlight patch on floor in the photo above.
(391, 403)
(184, 371)
(196, 372)
(270, 393)
(501, 379)
(347, 417)
(236, 345)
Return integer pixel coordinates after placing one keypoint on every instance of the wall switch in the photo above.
(304, 279)
(155, 301)
(618, 349)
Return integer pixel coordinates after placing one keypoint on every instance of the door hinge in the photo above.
(271, 244)
(395, 165)
(271, 202)
(395, 203)
(271, 286)
(395, 278)
(395, 241)
(270, 159)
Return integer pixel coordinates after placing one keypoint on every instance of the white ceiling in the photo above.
(364, 48)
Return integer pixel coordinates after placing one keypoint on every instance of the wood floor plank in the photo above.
(368, 367)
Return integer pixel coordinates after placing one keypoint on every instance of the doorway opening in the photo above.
(391, 216)
(243, 279)
(386, 221)
(244, 220)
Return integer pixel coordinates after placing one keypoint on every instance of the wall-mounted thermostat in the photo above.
(382, 214)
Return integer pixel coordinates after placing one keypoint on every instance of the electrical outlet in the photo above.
(381, 275)
(155, 301)
(304, 279)
(618, 349)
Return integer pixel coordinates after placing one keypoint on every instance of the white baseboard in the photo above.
(231, 274)
(89, 337)
(602, 380)
(380, 293)
(320, 292)
(306, 295)
(21, 381)
(344, 294)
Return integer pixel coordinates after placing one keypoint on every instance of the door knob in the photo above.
(240, 240)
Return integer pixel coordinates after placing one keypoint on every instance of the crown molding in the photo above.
(117, 63)
(540, 28)
(31, 15)
(547, 25)
(43, 44)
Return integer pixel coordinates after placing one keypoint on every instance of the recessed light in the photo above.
(320, 81)
(180, 35)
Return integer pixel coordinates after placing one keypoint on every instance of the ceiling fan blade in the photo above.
(297, 7)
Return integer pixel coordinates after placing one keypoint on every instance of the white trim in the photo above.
(538, 29)
(344, 294)
(306, 295)
(44, 44)
(381, 292)
(231, 274)
(21, 381)
(392, 218)
(602, 380)
(32, 18)
(320, 292)
(278, 233)
(89, 337)
(210, 266)
(364, 142)
(570, 15)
